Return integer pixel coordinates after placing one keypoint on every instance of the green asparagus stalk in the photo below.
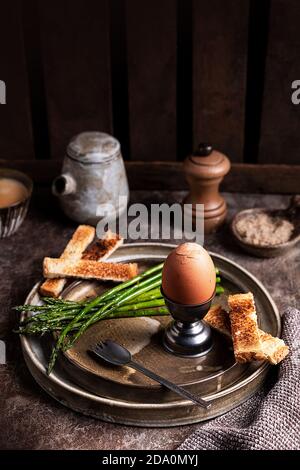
(219, 290)
(114, 306)
(133, 290)
(57, 325)
(149, 295)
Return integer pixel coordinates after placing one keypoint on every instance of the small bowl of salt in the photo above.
(268, 233)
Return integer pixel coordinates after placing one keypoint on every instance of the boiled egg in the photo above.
(189, 275)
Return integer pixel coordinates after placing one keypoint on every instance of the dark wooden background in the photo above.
(160, 75)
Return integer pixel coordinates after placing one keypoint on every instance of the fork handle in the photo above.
(170, 385)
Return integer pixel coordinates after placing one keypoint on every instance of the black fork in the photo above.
(116, 354)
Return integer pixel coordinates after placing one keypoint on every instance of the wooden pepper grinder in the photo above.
(204, 171)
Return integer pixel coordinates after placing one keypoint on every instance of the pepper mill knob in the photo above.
(204, 170)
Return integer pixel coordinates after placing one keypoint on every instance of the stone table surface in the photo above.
(29, 418)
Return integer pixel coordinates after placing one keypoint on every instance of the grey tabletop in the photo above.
(29, 418)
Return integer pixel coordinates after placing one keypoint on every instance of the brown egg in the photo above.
(189, 275)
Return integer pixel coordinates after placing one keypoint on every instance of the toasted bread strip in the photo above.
(103, 248)
(218, 319)
(53, 287)
(271, 349)
(244, 327)
(86, 269)
(99, 251)
(81, 238)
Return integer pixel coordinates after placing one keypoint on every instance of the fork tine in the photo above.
(99, 347)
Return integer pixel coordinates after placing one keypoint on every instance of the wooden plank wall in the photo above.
(76, 60)
(161, 75)
(16, 139)
(280, 124)
(151, 49)
(219, 78)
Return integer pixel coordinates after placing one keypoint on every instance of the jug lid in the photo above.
(93, 147)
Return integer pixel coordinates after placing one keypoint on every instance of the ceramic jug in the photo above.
(93, 181)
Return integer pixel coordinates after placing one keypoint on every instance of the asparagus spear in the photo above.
(58, 325)
(111, 307)
(112, 299)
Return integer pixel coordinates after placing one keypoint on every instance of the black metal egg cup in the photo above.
(187, 335)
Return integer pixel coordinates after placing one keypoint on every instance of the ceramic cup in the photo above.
(12, 217)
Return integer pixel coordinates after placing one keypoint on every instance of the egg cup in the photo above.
(188, 335)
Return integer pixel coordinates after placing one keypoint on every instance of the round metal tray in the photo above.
(123, 396)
